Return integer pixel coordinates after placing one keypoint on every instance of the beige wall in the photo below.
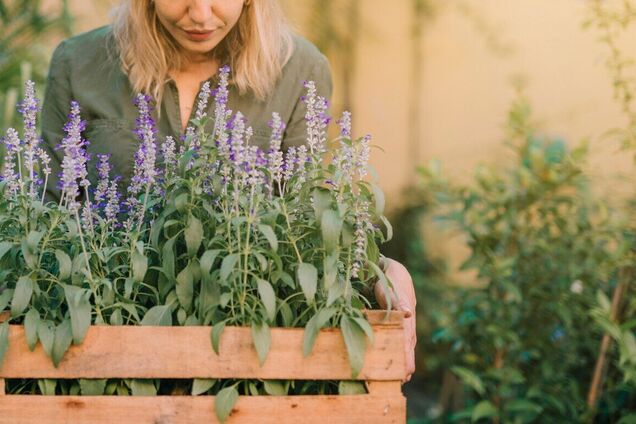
(466, 86)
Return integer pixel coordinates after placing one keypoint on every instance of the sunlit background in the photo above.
(435, 80)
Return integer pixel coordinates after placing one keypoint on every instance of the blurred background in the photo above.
(506, 134)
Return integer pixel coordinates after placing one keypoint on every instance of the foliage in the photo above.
(213, 231)
(22, 24)
(521, 342)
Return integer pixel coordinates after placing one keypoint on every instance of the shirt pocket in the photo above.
(113, 137)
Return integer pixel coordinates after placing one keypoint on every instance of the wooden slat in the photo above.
(186, 352)
(190, 409)
(3, 389)
(384, 388)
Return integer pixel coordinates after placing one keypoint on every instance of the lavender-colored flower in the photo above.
(144, 173)
(362, 158)
(345, 124)
(12, 151)
(202, 105)
(254, 160)
(103, 173)
(75, 158)
(112, 207)
(275, 155)
(29, 108)
(362, 225)
(168, 153)
(192, 138)
(289, 165)
(317, 120)
(237, 140)
(221, 95)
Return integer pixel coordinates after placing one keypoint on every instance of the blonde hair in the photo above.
(256, 49)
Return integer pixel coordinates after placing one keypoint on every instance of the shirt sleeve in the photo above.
(55, 108)
(296, 131)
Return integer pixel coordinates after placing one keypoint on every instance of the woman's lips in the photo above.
(199, 35)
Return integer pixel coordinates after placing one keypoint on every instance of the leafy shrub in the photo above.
(521, 341)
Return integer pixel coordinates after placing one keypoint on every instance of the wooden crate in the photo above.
(186, 352)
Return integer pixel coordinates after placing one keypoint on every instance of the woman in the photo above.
(169, 48)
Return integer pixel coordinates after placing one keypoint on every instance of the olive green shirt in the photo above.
(83, 69)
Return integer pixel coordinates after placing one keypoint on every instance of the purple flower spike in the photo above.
(29, 108)
(221, 95)
(317, 120)
(144, 173)
(275, 155)
(202, 105)
(12, 146)
(345, 124)
(75, 158)
(103, 172)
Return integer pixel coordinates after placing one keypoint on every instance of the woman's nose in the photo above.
(200, 11)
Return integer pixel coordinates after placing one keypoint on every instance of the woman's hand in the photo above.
(403, 299)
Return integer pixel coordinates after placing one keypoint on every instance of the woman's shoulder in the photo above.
(306, 58)
(87, 48)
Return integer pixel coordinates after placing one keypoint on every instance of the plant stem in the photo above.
(88, 267)
(596, 386)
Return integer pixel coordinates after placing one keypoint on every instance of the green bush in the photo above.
(522, 342)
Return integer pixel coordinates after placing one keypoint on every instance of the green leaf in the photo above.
(5, 247)
(261, 337)
(389, 227)
(116, 318)
(79, 306)
(384, 283)
(269, 234)
(224, 402)
(185, 288)
(139, 266)
(379, 199)
(193, 235)
(603, 301)
(523, 405)
(5, 297)
(65, 264)
(321, 202)
(227, 266)
(484, 409)
(215, 336)
(331, 226)
(182, 200)
(200, 385)
(92, 387)
(355, 341)
(266, 293)
(275, 387)
(46, 334)
(207, 261)
(351, 388)
(144, 387)
(313, 327)
(366, 327)
(167, 254)
(21, 295)
(31, 323)
(63, 339)
(47, 386)
(470, 379)
(4, 340)
(160, 315)
(330, 269)
(307, 275)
